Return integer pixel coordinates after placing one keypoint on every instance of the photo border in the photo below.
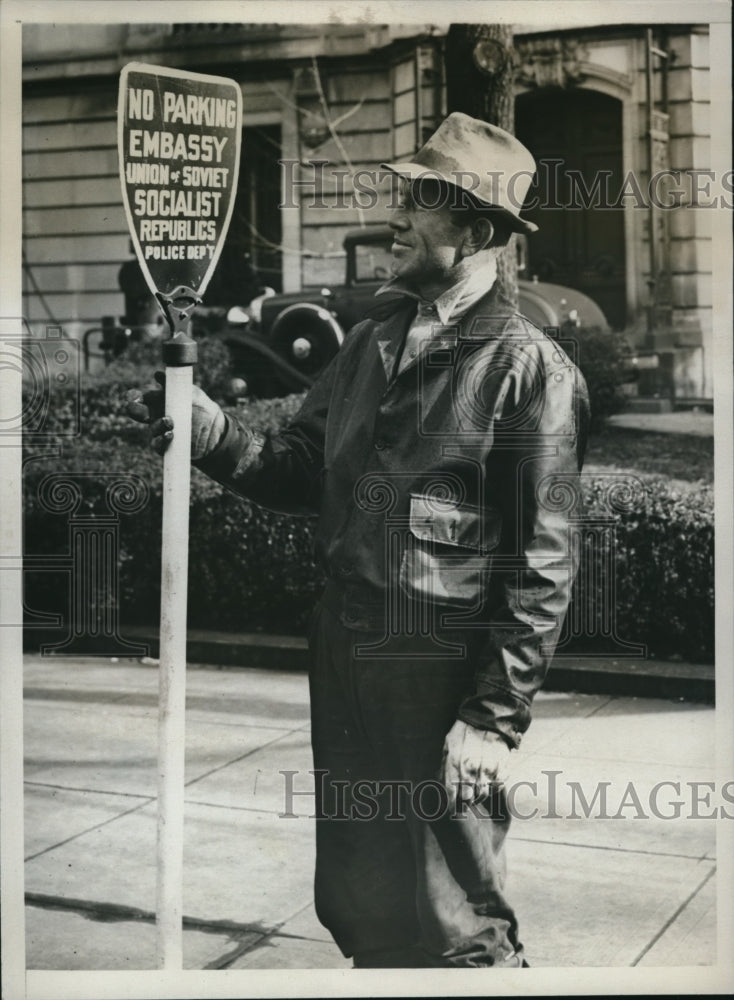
(54, 985)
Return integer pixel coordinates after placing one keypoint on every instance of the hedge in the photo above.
(100, 405)
(602, 356)
(253, 570)
(250, 569)
(663, 559)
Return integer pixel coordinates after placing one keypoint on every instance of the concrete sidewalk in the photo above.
(632, 890)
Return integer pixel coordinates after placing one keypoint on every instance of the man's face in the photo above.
(426, 242)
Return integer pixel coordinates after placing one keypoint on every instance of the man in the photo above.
(430, 448)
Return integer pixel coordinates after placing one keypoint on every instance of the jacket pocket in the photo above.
(447, 555)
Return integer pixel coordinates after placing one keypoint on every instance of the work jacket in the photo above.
(442, 491)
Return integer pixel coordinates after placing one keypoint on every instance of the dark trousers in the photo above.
(400, 880)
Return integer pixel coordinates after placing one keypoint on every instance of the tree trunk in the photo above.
(488, 97)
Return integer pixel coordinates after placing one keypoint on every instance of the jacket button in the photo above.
(380, 444)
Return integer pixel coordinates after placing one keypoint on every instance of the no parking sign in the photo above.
(179, 137)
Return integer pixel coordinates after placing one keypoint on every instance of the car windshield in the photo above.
(372, 262)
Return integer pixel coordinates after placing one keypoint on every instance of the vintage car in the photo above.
(280, 343)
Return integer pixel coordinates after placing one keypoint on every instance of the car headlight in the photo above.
(238, 387)
(237, 316)
(255, 308)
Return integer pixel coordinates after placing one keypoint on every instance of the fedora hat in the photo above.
(482, 159)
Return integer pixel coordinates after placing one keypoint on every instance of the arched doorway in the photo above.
(581, 245)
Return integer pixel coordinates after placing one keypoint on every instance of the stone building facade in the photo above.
(324, 104)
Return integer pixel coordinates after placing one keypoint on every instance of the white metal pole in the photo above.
(172, 671)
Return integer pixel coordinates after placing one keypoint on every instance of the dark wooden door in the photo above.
(251, 255)
(260, 180)
(580, 243)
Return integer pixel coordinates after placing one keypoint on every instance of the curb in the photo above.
(587, 674)
(235, 649)
(643, 678)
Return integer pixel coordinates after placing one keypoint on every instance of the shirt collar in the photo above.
(456, 300)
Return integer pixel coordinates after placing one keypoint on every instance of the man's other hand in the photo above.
(473, 761)
(207, 418)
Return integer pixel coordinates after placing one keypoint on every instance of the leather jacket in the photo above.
(437, 490)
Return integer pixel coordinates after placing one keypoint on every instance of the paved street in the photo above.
(630, 889)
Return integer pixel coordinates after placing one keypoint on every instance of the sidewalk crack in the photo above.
(236, 760)
(97, 826)
(609, 847)
(671, 920)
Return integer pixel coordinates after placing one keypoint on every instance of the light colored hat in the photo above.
(484, 160)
